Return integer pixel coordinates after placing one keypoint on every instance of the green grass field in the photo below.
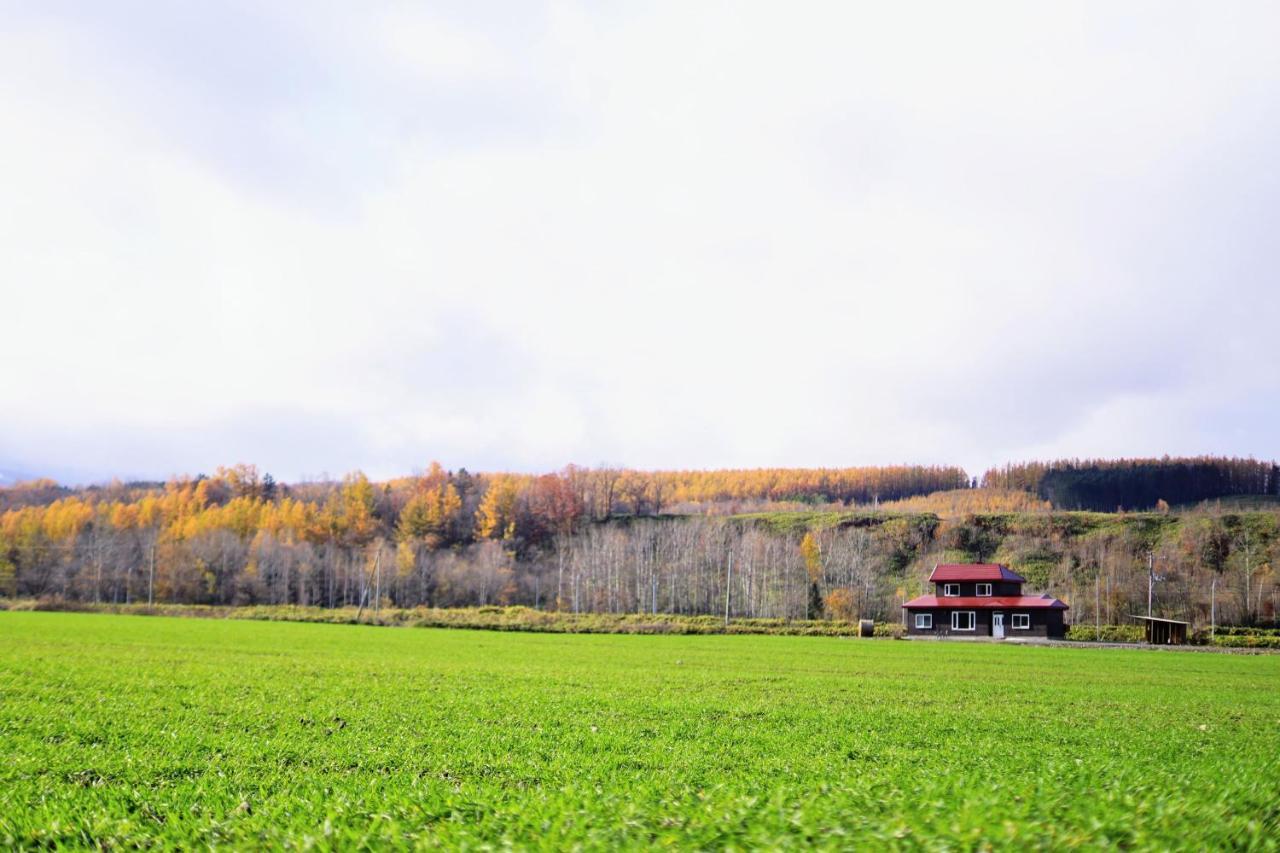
(125, 730)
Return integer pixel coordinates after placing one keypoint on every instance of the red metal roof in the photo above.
(988, 602)
(973, 572)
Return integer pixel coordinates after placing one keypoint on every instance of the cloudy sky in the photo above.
(324, 236)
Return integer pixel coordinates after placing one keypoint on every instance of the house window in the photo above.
(984, 590)
(1022, 621)
(924, 620)
(962, 620)
(951, 589)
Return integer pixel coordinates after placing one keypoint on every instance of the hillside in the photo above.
(607, 540)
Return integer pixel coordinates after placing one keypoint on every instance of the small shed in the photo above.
(1164, 632)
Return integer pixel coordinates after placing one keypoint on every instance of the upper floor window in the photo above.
(984, 589)
(951, 589)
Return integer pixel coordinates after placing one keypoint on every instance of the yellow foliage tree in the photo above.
(812, 554)
(839, 604)
(495, 518)
(406, 558)
(357, 523)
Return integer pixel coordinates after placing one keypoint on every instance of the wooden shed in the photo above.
(1164, 632)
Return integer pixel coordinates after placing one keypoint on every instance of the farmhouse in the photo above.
(982, 600)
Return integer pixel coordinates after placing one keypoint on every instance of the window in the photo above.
(924, 620)
(984, 590)
(1021, 621)
(962, 620)
(951, 589)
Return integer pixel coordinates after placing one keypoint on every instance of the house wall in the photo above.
(1044, 623)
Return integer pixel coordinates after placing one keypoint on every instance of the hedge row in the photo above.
(1106, 633)
(528, 619)
(1247, 641)
(488, 618)
(1247, 631)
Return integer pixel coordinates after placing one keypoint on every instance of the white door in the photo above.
(997, 625)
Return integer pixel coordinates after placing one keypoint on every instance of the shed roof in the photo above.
(988, 602)
(974, 572)
(1157, 619)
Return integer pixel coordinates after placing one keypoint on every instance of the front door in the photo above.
(997, 625)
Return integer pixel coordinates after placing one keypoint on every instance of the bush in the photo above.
(1246, 631)
(489, 617)
(1247, 641)
(1106, 634)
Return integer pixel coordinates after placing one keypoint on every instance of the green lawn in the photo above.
(124, 730)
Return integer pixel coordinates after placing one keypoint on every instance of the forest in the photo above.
(769, 543)
(1118, 484)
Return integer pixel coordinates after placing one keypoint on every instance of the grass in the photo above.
(793, 522)
(492, 618)
(1237, 502)
(120, 731)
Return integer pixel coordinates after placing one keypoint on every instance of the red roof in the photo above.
(973, 572)
(988, 602)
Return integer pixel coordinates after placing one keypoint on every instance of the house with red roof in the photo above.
(982, 600)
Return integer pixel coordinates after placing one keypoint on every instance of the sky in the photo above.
(320, 236)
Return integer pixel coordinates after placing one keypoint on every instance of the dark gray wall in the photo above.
(971, 588)
(1044, 623)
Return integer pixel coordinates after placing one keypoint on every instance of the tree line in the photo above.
(218, 539)
(578, 541)
(1109, 484)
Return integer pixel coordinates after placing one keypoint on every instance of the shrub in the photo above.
(889, 629)
(1246, 631)
(1106, 634)
(1247, 641)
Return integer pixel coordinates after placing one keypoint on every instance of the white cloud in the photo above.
(678, 235)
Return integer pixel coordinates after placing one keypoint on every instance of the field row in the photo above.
(185, 732)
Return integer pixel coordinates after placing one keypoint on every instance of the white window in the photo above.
(924, 620)
(984, 590)
(951, 589)
(962, 620)
(1021, 621)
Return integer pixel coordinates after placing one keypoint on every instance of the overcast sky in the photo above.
(325, 236)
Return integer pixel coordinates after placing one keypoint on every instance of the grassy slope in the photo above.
(190, 732)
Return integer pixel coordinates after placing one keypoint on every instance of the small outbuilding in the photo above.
(1163, 632)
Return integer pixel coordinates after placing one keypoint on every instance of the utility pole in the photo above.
(377, 580)
(1151, 579)
(151, 579)
(728, 575)
(1213, 606)
(1097, 607)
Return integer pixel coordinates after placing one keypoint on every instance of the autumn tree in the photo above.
(431, 513)
(356, 521)
(496, 516)
(811, 552)
(840, 604)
